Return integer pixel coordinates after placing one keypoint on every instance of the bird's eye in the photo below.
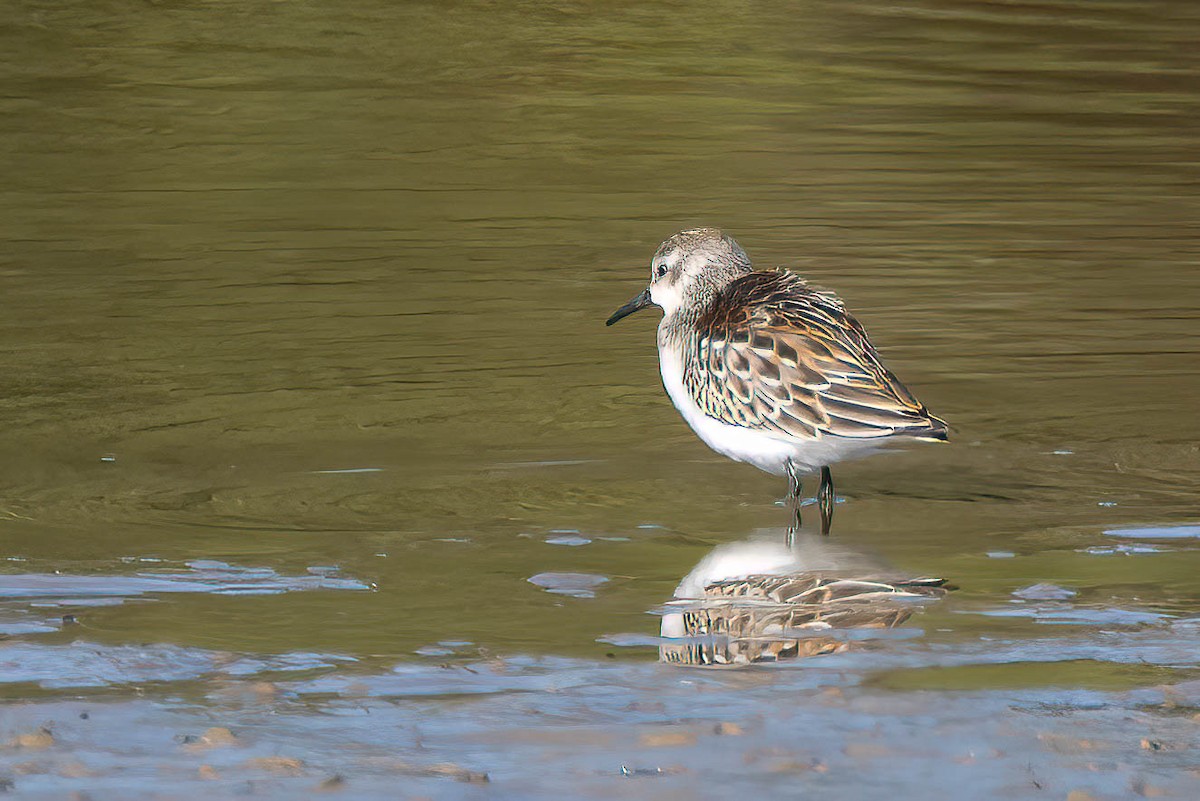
(660, 271)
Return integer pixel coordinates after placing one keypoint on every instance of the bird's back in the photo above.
(772, 354)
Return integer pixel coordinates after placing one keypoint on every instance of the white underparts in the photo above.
(765, 451)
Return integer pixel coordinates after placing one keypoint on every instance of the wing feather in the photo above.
(789, 360)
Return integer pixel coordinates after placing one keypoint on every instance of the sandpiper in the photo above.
(768, 370)
(759, 601)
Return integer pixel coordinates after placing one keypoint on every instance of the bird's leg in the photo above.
(826, 500)
(793, 498)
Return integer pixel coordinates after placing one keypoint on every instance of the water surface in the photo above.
(320, 292)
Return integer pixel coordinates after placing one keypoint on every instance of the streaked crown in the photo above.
(692, 266)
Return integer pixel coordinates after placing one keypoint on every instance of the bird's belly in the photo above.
(764, 451)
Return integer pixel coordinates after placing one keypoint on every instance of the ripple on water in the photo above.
(434, 650)
(90, 665)
(1067, 614)
(1156, 532)
(576, 585)
(1044, 592)
(516, 674)
(571, 540)
(443, 648)
(23, 595)
(202, 575)
(16, 627)
(1124, 549)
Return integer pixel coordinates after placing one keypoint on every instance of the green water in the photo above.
(246, 243)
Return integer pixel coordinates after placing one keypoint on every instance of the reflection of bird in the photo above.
(752, 602)
(769, 371)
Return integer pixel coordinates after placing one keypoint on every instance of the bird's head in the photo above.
(687, 270)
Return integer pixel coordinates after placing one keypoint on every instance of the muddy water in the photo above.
(305, 378)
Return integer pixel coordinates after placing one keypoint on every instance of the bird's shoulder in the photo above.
(779, 304)
(775, 299)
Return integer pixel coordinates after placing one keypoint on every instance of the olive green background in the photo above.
(247, 242)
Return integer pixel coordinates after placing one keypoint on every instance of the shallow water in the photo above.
(307, 389)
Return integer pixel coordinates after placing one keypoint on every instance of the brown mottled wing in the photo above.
(783, 358)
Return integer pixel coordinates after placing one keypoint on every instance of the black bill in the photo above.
(635, 305)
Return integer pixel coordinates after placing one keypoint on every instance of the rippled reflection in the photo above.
(762, 601)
